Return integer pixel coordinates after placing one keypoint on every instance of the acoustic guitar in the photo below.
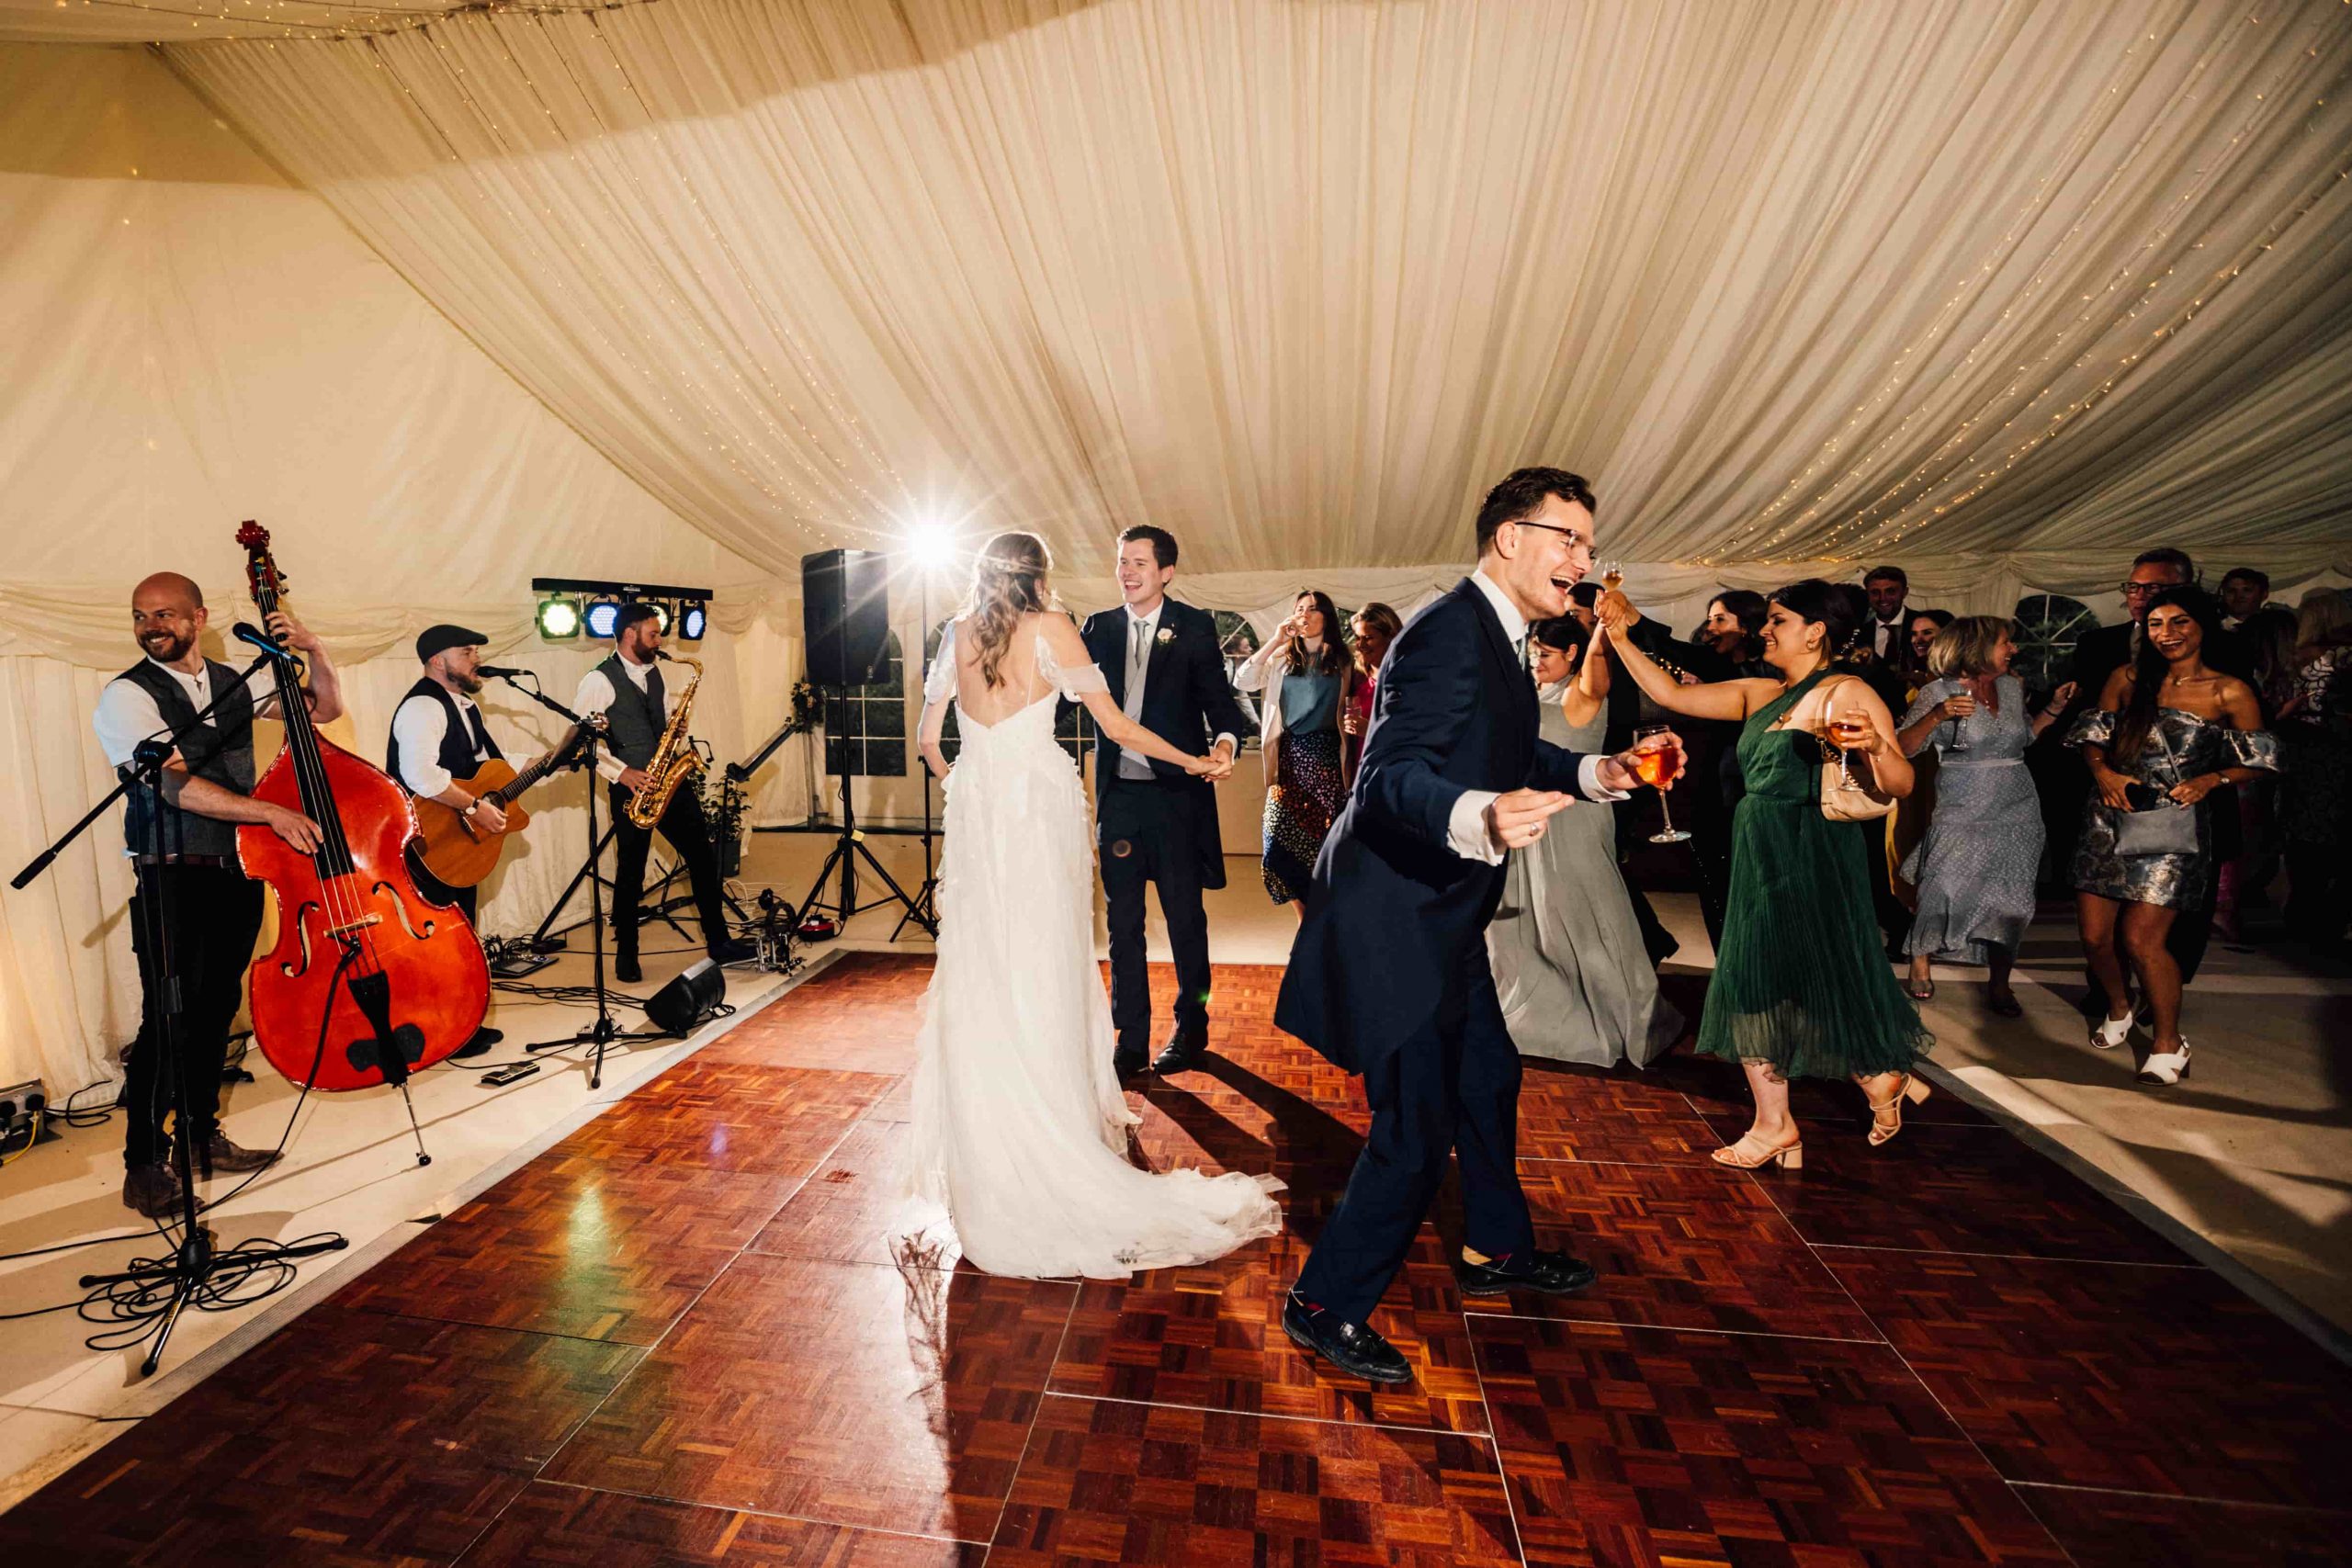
(459, 849)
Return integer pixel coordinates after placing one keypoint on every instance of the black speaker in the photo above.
(685, 1001)
(845, 616)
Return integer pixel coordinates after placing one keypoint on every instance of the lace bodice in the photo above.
(1030, 674)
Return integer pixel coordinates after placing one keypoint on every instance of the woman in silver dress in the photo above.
(1575, 982)
(1975, 868)
(2167, 732)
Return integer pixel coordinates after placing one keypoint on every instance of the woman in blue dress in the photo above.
(1975, 867)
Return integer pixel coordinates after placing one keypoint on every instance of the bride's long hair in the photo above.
(1007, 582)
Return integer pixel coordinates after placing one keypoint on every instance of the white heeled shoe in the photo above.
(2166, 1067)
(2110, 1033)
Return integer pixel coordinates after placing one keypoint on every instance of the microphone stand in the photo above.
(605, 1029)
(163, 1288)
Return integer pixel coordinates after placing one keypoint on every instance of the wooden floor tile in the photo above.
(730, 1116)
(836, 1392)
(1212, 1335)
(859, 1015)
(1678, 1248)
(1582, 1113)
(568, 1526)
(850, 1211)
(1951, 1190)
(2120, 1529)
(2168, 1380)
(576, 1246)
(1641, 1445)
(1105, 1481)
(348, 1439)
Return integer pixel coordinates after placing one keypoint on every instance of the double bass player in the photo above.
(214, 911)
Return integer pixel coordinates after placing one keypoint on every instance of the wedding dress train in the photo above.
(1020, 1127)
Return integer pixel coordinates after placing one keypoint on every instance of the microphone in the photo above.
(500, 669)
(245, 631)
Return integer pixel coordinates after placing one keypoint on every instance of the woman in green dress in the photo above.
(1801, 988)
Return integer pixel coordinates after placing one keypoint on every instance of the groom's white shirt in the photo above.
(1135, 765)
(1465, 825)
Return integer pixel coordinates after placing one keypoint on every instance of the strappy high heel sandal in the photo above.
(1915, 1089)
(1752, 1151)
(2108, 1033)
(2166, 1067)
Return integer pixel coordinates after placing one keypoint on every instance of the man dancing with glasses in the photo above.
(1388, 976)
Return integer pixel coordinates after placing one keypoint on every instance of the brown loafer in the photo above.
(153, 1190)
(216, 1154)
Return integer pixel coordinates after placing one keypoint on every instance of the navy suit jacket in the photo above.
(1392, 912)
(1187, 701)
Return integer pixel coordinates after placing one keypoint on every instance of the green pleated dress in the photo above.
(1801, 980)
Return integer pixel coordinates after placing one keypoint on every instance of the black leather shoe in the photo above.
(1548, 1273)
(624, 968)
(1129, 1061)
(734, 952)
(216, 1154)
(153, 1190)
(484, 1038)
(1350, 1347)
(1182, 1053)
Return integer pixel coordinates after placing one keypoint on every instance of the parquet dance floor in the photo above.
(682, 1337)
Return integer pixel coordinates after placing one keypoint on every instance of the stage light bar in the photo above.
(596, 603)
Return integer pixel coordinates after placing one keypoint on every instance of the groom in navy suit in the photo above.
(1388, 976)
(1156, 823)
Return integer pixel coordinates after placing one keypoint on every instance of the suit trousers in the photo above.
(682, 823)
(213, 913)
(1145, 834)
(1453, 1088)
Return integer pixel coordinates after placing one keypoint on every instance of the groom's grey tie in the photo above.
(1135, 765)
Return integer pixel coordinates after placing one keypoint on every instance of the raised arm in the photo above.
(1725, 700)
(1069, 652)
(1588, 690)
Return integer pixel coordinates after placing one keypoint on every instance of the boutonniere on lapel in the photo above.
(1167, 634)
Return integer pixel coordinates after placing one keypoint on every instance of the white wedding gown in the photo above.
(1020, 1127)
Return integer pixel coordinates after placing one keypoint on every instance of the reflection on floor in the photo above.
(682, 1336)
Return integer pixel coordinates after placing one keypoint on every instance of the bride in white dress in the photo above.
(1020, 1127)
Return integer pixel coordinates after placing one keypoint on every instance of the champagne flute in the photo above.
(1654, 767)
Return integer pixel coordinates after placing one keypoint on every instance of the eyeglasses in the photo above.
(1570, 533)
(2139, 590)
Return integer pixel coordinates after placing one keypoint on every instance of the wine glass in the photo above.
(1959, 741)
(1654, 767)
(1845, 727)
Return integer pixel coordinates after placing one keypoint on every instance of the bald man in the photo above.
(186, 843)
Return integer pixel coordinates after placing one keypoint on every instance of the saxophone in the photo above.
(674, 761)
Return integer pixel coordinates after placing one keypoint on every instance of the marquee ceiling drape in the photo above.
(1792, 280)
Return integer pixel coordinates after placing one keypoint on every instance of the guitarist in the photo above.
(437, 738)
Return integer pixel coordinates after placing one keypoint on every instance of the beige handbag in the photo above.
(1840, 801)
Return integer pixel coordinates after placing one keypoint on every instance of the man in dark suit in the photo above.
(1155, 823)
(1388, 975)
(2099, 654)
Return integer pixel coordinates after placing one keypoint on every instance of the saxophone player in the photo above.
(637, 705)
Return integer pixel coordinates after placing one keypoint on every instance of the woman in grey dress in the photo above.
(2167, 732)
(1974, 869)
(1574, 979)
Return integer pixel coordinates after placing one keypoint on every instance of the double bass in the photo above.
(368, 981)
